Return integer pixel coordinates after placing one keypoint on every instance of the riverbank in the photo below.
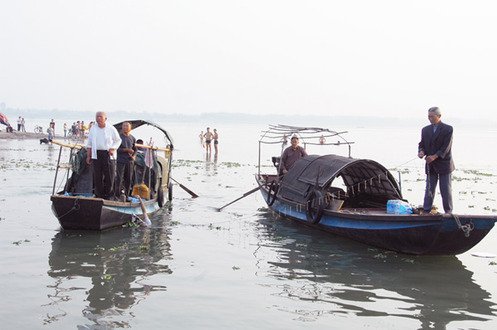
(21, 135)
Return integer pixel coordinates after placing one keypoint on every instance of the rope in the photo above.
(467, 228)
(428, 183)
(406, 162)
(74, 207)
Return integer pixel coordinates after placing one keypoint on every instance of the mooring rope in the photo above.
(467, 228)
(410, 160)
(74, 207)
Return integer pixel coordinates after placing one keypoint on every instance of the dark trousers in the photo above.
(124, 172)
(445, 190)
(104, 170)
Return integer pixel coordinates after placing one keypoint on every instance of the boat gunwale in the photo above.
(106, 202)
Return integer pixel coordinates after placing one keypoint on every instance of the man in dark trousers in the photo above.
(435, 147)
(125, 161)
(103, 141)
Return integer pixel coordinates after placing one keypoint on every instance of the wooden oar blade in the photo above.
(236, 200)
(194, 195)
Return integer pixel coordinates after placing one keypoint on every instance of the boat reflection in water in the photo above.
(120, 264)
(343, 277)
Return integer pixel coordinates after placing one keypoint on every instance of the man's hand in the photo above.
(431, 158)
(111, 152)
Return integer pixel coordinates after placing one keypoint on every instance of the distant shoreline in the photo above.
(21, 135)
(25, 136)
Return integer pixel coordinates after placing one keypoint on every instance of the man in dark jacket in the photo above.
(125, 161)
(291, 154)
(435, 147)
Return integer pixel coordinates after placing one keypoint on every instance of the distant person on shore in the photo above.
(19, 124)
(102, 144)
(322, 139)
(52, 125)
(216, 140)
(73, 129)
(65, 130)
(201, 136)
(291, 154)
(76, 129)
(435, 147)
(125, 161)
(51, 133)
(208, 138)
(23, 127)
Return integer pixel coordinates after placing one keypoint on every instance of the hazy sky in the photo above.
(353, 57)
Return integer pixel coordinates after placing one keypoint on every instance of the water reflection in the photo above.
(210, 165)
(119, 263)
(346, 277)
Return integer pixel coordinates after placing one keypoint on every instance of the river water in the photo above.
(242, 267)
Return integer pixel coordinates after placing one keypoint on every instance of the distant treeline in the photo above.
(245, 118)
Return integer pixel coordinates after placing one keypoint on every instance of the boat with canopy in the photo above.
(357, 198)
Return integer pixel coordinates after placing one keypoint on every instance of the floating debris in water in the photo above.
(483, 255)
(476, 172)
(21, 241)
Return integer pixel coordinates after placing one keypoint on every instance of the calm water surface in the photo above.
(242, 267)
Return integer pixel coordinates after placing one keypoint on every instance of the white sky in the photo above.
(354, 57)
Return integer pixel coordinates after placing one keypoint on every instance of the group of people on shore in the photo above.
(78, 130)
(208, 138)
(21, 124)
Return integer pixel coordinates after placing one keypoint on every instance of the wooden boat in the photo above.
(349, 197)
(76, 208)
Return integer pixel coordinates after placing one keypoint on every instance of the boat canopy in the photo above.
(137, 123)
(362, 178)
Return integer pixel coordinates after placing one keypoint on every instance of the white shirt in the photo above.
(103, 139)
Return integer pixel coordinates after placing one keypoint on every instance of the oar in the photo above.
(194, 195)
(244, 195)
(146, 220)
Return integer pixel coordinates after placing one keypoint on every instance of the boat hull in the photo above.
(410, 234)
(87, 213)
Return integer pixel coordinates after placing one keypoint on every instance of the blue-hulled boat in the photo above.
(349, 197)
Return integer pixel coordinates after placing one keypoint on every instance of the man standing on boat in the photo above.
(291, 154)
(125, 161)
(103, 141)
(435, 147)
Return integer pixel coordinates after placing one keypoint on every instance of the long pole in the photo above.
(56, 171)
(194, 195)
(244, 195)
(259, 162)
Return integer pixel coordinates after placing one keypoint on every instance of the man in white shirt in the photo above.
(103, 140)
